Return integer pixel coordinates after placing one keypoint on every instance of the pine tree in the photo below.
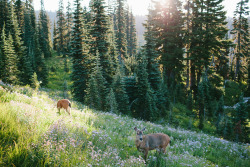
(169, 24)
(112, 104)
(220, 114)
(24, 62)
(99, 32)
(34, 82)
(79, 53)
(121, 96)
(153, 67)
(201, 104)
(19, 11)
(10, 59)
(132, 47)
(44, 32)
(61, 30)
(241, 31)
(39, 63)
(131, 34)
(55, 38)
(4, 14)
(151, 54)
(145, 103)
(241, 128)
(121, 31)
(92, 97)
(69, 26)
(208, 32)
(99, 88)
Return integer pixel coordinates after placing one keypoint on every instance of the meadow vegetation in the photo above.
(34, 134)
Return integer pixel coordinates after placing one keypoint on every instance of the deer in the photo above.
(144, 143)
(64, 103)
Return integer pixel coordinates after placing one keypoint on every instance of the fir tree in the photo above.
(112, 104)
(61, 30)
(44, 32)
(4, 13)
(24, 62)
(55, 38)
(39, 63)
(69, 26)
(241, 31)
(19, 11)
(241, 128)
(99, 31)
(208, 32)
(30, 32)
(121, 31)
(10, 59)
(121, 96)
(169, 24)
(79, 54)
(92, 97)
(145, 103)
(99, 88)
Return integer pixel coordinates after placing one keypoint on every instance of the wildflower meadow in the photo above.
(33, 133)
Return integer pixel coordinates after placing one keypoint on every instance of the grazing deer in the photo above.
(64, 103)
(144, 143)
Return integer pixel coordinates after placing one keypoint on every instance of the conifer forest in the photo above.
(191, 70)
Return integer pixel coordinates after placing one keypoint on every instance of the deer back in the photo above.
(156, 140)
(64, 103)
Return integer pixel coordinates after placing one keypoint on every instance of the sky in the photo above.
(139, 7)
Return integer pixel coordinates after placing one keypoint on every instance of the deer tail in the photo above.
(70, 105)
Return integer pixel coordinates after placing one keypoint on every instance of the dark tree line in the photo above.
(24, 43)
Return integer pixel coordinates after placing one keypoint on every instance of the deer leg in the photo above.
(58, 110)
(68, 110)
(145, 154)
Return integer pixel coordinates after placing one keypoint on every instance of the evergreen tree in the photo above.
(34, 82)
(99, 88)
(121, 31)
(220, 114)
(151, 54)
(55, 38)
(92, 97)
(99, 32)
(44, 32)
(19, 11)
(131, 34)
(153, 67)
(39, 63)
(112, 104)
(4, 14)
(9, 58)
(61, 30)
(241, 128)
(69, 26)
(79, 54)
(24, 62)
(145, 103)
(241, 31)
(169, 24)
(208, 32)
(121, 96)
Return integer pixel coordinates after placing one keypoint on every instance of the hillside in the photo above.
(34, 134)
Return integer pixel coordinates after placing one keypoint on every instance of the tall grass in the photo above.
(34, 134)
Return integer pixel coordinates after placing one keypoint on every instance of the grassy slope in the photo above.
(34, 134)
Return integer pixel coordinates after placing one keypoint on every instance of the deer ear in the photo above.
(143, 128)
(135, 128)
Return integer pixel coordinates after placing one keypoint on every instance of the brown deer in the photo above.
(64, 103)
(144, 143)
